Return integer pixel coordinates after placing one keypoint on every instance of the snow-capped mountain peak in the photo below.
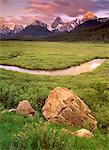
(56, 23)
(38, 23)
(75, 22)
(66, 27)
(17, 28)
(4, 29)
(89, 16)
(62, 26)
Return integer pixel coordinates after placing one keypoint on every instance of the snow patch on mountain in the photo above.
(17, 28)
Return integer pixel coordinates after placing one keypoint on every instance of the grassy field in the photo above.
(46, 55)
(20, 132)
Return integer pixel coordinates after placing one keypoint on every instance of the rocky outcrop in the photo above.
(25, 108)
(64, 106)
(83, 133)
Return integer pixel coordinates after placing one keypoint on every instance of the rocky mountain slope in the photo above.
(17, 28)
(89, 16)
(60, 25)
(39, 29)
(91, 30)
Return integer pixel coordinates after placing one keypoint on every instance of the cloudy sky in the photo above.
(24, 11)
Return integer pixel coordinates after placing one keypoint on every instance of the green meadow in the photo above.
(18, 132)
(50, 55)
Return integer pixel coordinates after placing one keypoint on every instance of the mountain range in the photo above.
(91, 30)
(40, 29)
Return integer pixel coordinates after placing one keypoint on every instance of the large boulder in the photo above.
(83, 133)
(25, 108)
(64, 106)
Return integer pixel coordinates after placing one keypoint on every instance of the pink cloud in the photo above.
(23, 20)
(47, 10)
(71, 8)
(11, 21)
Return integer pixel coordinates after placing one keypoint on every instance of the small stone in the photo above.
(83, 133)
(25, 108)
(10, 110)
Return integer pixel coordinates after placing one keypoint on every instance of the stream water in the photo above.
(74, 70)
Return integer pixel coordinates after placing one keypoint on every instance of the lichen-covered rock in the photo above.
(25, 108)
(64, 106)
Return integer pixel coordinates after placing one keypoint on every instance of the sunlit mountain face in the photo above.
(23, 12)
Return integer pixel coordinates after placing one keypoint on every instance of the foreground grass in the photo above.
(93, 88)
(19, 132)
(46, 55)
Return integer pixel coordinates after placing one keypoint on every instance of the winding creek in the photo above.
(74, 70)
